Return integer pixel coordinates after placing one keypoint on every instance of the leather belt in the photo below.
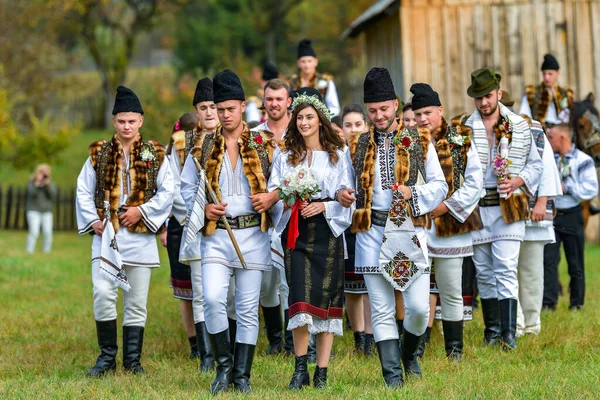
(566, 211)
(241, 222)
(491, 198)
(378, 218)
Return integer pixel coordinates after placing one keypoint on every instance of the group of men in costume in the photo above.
(425, 197)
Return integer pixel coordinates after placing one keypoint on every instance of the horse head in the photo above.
(585, 122)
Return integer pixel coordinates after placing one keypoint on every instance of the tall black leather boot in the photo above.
(424, 343)
(288, 347)
(207, 360)
(320, 378)
(400, 324)
(242, 364)
(107, 341)
(312, 349)
(133, 341)
(508, 322)
(391, 367)
(491, 319)
(300, 378)
(194, 353)
(274, 329)
(359, 341)
(232, 332)
(369, 344)
(453, 339)
(410, 346)
(221, 346)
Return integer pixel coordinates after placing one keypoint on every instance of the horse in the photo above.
(585, 122)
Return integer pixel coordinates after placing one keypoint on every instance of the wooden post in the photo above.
(9, 204)
(19, 197)
(58, 210)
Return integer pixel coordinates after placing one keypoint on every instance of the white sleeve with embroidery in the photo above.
(426, 197)
(276, 212)
(331, 98)
(340, 218)
(85, 205)
(585, 187)
(252, 112)
(156, 210)
(524, 109)
(464, 200)
(532, 171)
(550, 185)
(179, 210)
(189, 182)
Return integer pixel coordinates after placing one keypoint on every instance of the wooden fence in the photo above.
(12, 209)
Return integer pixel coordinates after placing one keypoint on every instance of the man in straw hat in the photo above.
(512, 169)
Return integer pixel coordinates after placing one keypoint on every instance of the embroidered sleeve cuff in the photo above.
(147, 220)
(414, 202)
(88, 228)
(528, 186)
(456, 209)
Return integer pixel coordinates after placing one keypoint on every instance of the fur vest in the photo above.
(453, 160)
(363, 150)
(319, 82)
(106, 158)
(210, 149)
(538, 98)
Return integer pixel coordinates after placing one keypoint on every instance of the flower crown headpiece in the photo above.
(314, 101)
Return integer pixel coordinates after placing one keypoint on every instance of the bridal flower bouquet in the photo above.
(298, 186)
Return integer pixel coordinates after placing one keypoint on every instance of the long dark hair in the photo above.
(328, 138)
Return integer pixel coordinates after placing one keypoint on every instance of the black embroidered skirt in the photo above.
(181, 274)
(353, 283)
(315, 269)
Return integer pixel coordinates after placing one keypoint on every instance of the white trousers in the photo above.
(37, 220)
(448, 276)
(198, 300)
(216, 285)
(134, 301)
(531, 287)
(496, 267)
(269, 288)
(383, 306)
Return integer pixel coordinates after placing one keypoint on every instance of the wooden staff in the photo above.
(215, 200)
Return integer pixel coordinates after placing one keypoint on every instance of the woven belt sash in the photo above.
(241, 222)
(378, 218)
(491, 198)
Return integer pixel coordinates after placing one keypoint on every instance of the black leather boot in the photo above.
(300, 378)
(207, 359)
(410, 346)
(221, 346)
(491, 319)
(359, 341)
(312, 349)
(320, 378)
(369, 344)
(232, 332)
(193, 348)
(242, 364)
(107, 341)
(508, 322)
(133, 341)
(400, 324)
(424, 343)
(274, 329)
(391, 367)
(288, 347)
(453, 339)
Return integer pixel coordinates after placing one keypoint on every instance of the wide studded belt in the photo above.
(241, 222)
(491, 198)
(378, 218)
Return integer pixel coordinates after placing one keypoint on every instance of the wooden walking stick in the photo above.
(215, 200)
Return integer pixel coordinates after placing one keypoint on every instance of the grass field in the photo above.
(48, 342)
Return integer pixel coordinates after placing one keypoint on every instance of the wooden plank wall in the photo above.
(442, 41)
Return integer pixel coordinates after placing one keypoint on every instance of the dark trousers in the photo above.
(568, 229)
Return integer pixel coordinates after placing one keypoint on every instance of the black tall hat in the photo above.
(204, 91)
(305, 48)
(424, 96)
(378, 86)
(270, 72)
(126, 101)
(227, 86)
(550, 62)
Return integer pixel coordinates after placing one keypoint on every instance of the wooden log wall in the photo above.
(442, 41)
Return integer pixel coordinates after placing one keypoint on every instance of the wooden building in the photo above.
(441, 41)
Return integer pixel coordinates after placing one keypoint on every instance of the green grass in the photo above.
(48, 342)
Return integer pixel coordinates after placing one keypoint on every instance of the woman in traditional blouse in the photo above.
(315, 266)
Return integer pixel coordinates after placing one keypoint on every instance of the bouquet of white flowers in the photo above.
(299, 184)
